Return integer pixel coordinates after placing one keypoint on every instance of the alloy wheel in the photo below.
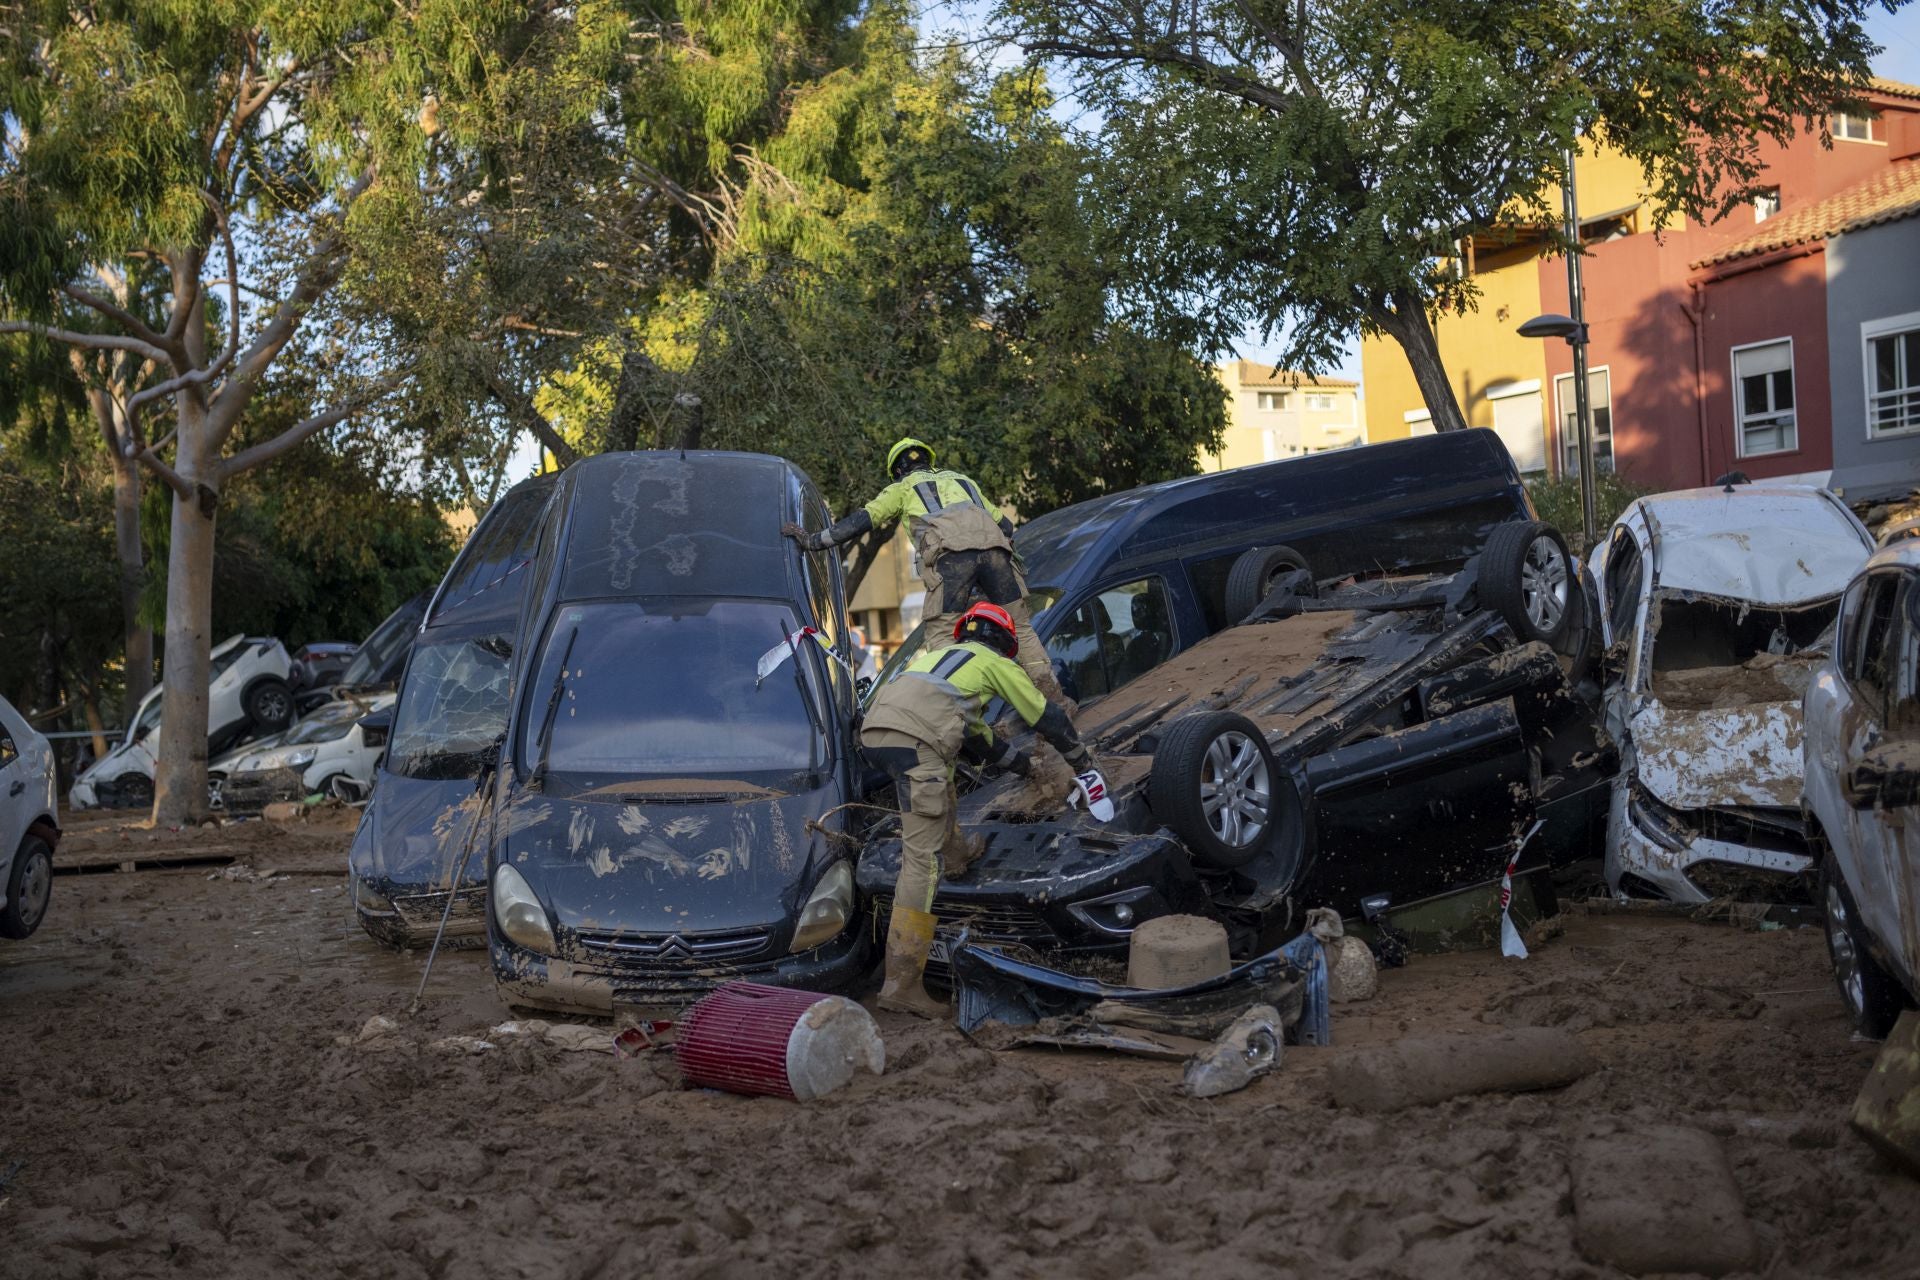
(1235, 789)
(1846, 959)
(1544, 583)
(36, 886)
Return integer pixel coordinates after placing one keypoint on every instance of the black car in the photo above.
(421, 834)
(1366, 748)
(668, 809)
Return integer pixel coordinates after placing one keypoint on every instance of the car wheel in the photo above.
(29, 887)
(1254, 574)
(135, 791)
(1216, 786)
(1526, 576)
(269, 703)
(1872, 995)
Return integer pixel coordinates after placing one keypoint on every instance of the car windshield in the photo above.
(334, 720)
(452, 709)
(668, 688)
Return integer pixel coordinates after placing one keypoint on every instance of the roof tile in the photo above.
(1891, 194)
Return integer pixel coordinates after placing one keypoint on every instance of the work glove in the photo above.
(795, 532)
(1020, 764)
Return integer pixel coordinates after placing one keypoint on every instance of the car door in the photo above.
(1879, 669)
(15, 803)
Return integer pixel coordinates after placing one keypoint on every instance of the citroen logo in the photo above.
(675, 945)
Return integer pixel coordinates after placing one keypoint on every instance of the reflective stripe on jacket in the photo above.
(944, 510)
(939, 698)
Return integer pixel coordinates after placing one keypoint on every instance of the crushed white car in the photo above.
(328, 753)
(28, 830)
(1717, 604)
(248, 693)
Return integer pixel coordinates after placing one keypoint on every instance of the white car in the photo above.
(247, 693)
(1863, 785)
(1716, 605)
(327, 753)
(28, 832)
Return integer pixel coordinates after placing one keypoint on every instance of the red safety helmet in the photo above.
(989, 624)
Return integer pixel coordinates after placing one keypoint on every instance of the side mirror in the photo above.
(375, 726)
(1888, 777)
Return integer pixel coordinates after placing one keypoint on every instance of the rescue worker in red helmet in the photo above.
(963, 545)
(917, 727)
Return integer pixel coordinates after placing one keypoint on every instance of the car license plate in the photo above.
(940, 952)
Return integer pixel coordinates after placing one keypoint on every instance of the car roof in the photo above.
(1179, 515)
(1901, 553)
(671, 523)
(1768, 544)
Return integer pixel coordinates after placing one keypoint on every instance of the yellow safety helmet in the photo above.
(906, 446)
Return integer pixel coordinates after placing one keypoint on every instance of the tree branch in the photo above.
(91, 341)
(268, 450)
(119, 315)
(520, 408)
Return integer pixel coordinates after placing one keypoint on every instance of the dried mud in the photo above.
(1766, 677)
(177, 1105)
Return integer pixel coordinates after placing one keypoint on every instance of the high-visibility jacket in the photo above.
(944, 511)
(940, 697)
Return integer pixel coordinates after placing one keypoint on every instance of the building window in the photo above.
(1273, 401)
(1320, 402)
(1763, 398)
(1856, 126)
(1766, 204)
(1893, 375)
(1600, 400)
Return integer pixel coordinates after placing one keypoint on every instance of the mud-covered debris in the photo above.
(1660, 1201)
(462, 1044)
(1245, 1051)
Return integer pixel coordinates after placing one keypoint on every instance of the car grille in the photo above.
(251, 792)
(671, 950)
(426, 908)
(1001, 924)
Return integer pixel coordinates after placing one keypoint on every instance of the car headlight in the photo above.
(1658, 822)
(518, 913)
(827, 909)
(302, 758)
(367, 898)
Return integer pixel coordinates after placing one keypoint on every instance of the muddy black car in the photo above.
(1360, 742)
(420, 837)
(667, 813)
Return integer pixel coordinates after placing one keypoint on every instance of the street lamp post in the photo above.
(1574, 329)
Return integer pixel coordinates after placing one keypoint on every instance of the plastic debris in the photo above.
(1245, 1051)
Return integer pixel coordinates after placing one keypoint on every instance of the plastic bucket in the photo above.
(753, 1039)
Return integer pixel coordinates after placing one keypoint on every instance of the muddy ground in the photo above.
(175, 1104)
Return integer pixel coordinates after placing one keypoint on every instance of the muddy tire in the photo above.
(1215, 784)
(29, 889)
(1527, 577)
(1253, 575)
(1872, 995)
(269, 703)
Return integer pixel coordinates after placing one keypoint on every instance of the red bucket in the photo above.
(753, 1039)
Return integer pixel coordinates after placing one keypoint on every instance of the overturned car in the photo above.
(1362, 744)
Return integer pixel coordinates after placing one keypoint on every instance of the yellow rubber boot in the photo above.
(909, 939)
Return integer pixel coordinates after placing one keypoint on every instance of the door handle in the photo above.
(18, 786)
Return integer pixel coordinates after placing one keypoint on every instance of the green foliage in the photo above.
(1309, 166)
(59, 596)
(1557, 502)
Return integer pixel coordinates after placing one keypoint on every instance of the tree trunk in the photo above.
(133, 581)
(180, 781)
(1408, 325)
(91, 706)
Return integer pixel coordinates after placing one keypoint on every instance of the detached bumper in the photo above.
(567, 986)
(249, 793)
(1704, 870)
(408, 916)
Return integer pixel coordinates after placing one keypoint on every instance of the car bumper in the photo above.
(247, 793)
(82, 796)
(1055, 889)
(1703, 871)
(598, 989)
(408, 916)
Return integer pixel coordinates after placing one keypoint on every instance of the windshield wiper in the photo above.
(806, 699)
(544, 743)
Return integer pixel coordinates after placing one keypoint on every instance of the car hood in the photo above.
(1699, 759)
(662, 867)
(415, 830)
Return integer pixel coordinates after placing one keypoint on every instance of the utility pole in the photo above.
(1583, 410)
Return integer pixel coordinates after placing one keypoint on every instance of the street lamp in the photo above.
(1574, 329)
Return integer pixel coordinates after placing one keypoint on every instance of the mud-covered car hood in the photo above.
(663, 867)
(414, 831)
(1697, 759)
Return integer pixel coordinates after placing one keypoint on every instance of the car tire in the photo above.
(133, 792)
(1216, 786)
(29, 889)
(1872, 995)
(269, 703)
(1527, 577)
(1253, 574)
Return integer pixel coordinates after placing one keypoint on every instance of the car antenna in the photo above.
(485, 780)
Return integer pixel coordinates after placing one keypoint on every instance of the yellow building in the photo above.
(1277, 413)
(1498, 376)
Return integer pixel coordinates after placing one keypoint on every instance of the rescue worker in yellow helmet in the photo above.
(918, 726)
(964, 546)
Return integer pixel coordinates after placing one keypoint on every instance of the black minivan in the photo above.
(668, 811)
(1121, 583)
(420, 835)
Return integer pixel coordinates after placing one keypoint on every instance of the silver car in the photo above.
(28, 832)
(1862, 796)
